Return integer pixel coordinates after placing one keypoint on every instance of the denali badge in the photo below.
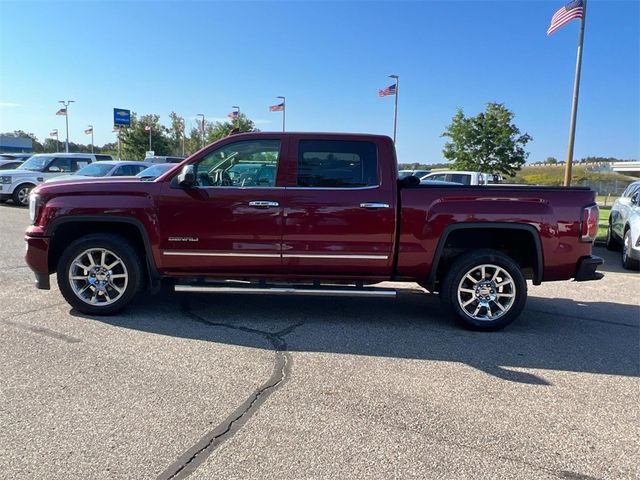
(184, 239)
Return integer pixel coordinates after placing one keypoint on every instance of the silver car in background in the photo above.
(623, 230)
(108, 168)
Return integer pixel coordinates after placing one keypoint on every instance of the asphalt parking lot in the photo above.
(221, 386)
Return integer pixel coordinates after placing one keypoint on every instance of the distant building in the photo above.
(15, 144)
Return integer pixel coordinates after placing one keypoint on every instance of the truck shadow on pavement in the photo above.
(551, 334)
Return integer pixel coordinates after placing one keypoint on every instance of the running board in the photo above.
(278, 290)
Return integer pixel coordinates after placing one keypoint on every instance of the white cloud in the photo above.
(10, 105)
(262, 122)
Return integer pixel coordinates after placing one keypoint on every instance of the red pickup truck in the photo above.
(308, 213)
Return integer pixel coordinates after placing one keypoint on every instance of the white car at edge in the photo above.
(624, 226)
(17, 184)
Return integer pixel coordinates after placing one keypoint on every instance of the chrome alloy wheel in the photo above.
(486, 292)
(98, 277)
(23, 195)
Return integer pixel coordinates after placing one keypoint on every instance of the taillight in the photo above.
(589, 226)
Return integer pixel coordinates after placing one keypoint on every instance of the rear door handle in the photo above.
(373, 205)
(263, 204)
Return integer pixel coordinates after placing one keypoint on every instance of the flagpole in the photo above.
(395, 107)
(574, 104)
(284, 108)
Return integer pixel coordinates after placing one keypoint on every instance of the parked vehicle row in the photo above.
(623, 231)
(312, 214)
(18, 178)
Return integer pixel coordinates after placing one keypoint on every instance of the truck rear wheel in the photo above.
(99, 274)
(485, 289)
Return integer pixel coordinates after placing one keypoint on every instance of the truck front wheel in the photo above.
(99, 274)
(485, 289)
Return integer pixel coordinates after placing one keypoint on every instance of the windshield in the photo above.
(95, 170)
(155, 171)
(36, 163)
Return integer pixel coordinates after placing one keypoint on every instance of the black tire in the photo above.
(496, 262)
(611, 244)
(628, 262)
(120, 249)
(21, 194)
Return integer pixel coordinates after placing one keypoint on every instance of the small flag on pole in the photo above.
(571, 10)
(62, 111)
(277, 108)
(88, 131)
(147, 128)
(54, 133)
(115, 129)
(390, 90)
(233, 115)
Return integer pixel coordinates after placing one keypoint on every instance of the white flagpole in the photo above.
(574, 104)
(395, 107)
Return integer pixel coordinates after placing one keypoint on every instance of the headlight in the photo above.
(34, 204)
(5, 179)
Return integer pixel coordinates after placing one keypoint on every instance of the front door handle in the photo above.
(374, 205)
(263, 204)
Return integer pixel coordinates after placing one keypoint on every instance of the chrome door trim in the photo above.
(335, 256)
(187, 253)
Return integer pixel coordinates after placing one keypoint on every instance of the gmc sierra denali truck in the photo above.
(308, 213)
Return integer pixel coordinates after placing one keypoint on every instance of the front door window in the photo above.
(252, 163)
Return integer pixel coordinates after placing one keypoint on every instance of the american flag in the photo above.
(390, 90)
(567, 13)
(277, 108)
(147, 128)
(62, 111)
(54, 133)
(88, 131)
(233, 114)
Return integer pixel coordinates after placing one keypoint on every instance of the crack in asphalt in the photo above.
(190, 460)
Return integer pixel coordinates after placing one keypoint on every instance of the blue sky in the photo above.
(329, 59)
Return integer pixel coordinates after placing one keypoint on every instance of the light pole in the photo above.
(202, 127)
(148, 129)
(284, 108)
(237, 117)
(90, 130)
(395, 107)
(66, 117)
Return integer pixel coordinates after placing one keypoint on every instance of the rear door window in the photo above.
(459, 178)
(337, 164)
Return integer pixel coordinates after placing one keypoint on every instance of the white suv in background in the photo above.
(17, 184)
(464, 178)
(624, 227)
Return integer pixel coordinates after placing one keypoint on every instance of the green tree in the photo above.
(218, 130)
(135, 140)
(489, 142)
(175, 134)
(551, 161)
